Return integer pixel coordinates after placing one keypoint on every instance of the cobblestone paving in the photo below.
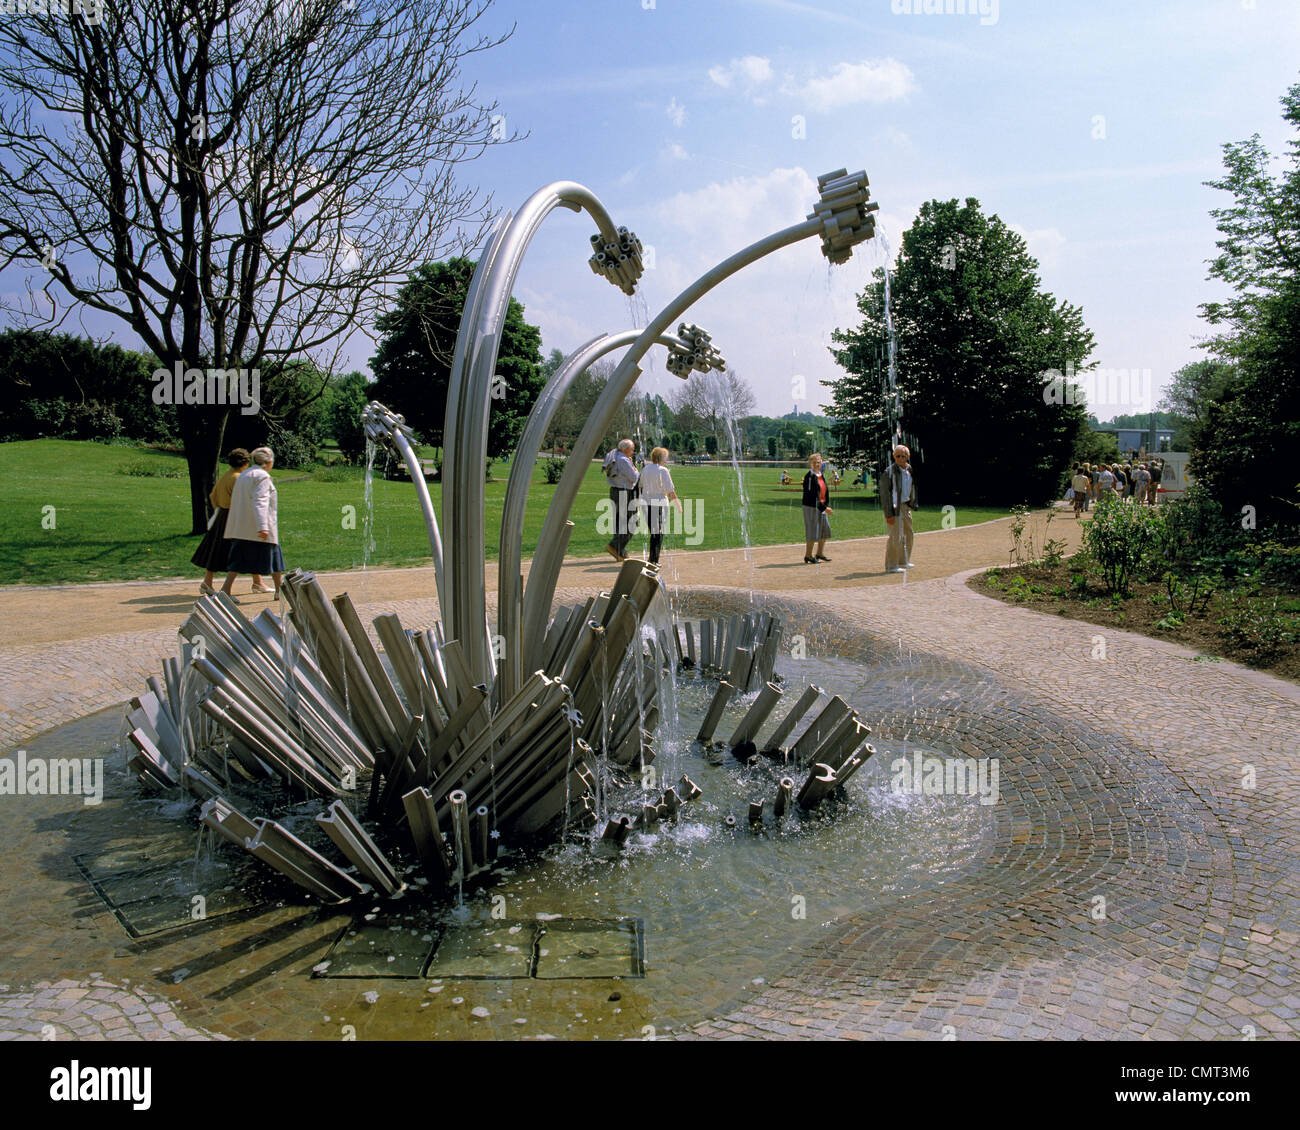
(1122, 779)
(1108, 792)
(89, 1009)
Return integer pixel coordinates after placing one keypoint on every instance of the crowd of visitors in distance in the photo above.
(1139, 482)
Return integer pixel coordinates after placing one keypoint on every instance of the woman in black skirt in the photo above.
(212, 550)
(251, 529)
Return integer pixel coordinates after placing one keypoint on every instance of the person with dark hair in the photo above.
(212, 551)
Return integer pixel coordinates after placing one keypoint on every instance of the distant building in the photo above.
(1133, 441)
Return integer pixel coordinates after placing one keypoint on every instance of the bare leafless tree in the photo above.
(240, 181)
(705, 402)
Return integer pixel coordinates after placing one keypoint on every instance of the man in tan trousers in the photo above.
(898, 498)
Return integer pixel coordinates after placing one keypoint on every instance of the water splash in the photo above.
(368, 505)
(721, 399)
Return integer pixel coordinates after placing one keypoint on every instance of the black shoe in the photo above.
(810, 561)
(822, 557)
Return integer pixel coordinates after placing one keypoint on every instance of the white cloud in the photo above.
(676, 113)
(674, 152)
(744, 74)
(772, 320)
(1044, 243)
(875, 81)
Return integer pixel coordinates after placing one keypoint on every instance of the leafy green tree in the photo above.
(975, 337)
(348, 397)
(1244, 443)
(1189, 395)
(1095, 447)
(292, 400)
(412, 366)
(711, 444)
(771, 447)
(552, 364)
(1259, 244)
(1243, 452)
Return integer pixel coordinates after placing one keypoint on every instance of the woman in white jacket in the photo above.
(251, 527)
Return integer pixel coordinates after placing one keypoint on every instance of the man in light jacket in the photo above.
(898, 498)
(622, 476)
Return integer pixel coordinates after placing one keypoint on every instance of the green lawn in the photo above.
(110, 525)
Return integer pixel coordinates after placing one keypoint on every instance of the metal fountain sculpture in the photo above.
(465, 757)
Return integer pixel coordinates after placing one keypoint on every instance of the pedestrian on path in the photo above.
(1105, 483)
(898, 498)
(1141, 481)
(623, 477)
(657, 494)
(816, 512)
(1081, 484)
(212, 551)
(252, 528)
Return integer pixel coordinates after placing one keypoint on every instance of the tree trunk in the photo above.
(202, 430)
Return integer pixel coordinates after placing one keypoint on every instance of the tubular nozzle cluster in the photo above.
(619, 262)
(696, 354)
(844, 212)
(382, 424)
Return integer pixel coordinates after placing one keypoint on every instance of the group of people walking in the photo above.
(1092, 482)
(243, 535)
(652, 491)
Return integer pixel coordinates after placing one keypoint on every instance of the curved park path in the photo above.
(1140, 878)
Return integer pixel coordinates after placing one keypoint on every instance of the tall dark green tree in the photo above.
(47, 378)
(975, 336)
(1243, 446)
(413, 364)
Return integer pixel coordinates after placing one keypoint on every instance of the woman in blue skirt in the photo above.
(252, 535)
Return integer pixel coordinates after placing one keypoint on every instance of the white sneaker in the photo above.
(898, 569)
(909, 565)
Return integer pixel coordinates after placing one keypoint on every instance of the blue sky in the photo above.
(1088, 127)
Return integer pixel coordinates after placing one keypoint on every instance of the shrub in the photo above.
(1279, 564)
(92, 420)
(1191, 598)
(1117, 539)
(1193, 527)
(553, 469)
(294, 450)
(47, 416)
(1258, 624)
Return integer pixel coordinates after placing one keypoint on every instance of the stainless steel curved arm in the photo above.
(469, 401)
(545, 569)
(509, 583)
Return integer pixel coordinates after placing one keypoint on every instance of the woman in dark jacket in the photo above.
(816, 524)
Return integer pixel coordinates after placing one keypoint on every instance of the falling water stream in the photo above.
(719, 395)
